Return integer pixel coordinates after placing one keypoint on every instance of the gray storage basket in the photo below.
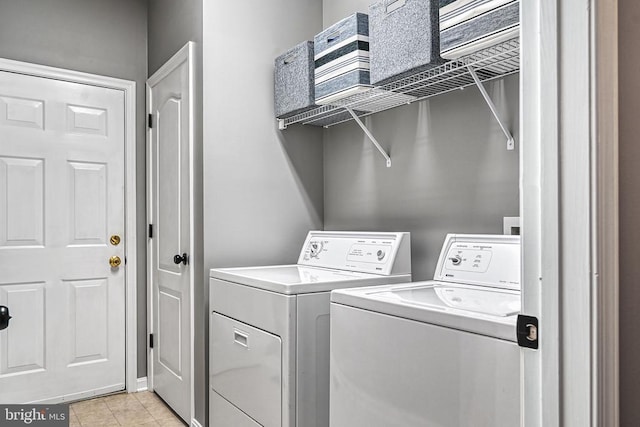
(294, 90)
(404, 37)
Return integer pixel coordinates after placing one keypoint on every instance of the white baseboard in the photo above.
(195, 423)
(142, 384)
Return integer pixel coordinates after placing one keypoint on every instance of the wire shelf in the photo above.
(492, 63)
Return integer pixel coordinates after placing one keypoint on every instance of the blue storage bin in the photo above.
(467, 28)
(342, 59)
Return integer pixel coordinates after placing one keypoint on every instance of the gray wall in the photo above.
(105, 37)
(450, 169)
(171, 25)
(629, 127)
(263, 189)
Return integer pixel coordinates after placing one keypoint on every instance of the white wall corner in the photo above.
(141, 384)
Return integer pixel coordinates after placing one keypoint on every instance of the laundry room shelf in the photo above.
(472, 70)
(489, 64)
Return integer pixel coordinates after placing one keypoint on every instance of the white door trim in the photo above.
(539, 208)
(605, 391)
(185, 54)
(569, 187)
(130, 240)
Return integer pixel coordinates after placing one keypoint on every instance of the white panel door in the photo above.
(169, 103)
(61, 198)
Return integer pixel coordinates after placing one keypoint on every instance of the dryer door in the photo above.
(246, 369)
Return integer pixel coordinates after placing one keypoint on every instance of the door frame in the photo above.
(128, 87)
(569, 207)
(185, 54)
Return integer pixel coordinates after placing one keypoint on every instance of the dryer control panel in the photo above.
(486, 260)
(376, 253)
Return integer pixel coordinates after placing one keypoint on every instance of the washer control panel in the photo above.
(353, 251)
(371, 252)
(489, 260)
(464, 259)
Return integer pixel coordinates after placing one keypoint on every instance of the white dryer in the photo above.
(269, 327)
(440, 353)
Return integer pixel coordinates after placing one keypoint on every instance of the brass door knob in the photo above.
(115, 240)
(115, 261)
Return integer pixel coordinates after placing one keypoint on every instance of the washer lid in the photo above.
(443, 296)
(297, 279)
(487, 311)
(482, 260)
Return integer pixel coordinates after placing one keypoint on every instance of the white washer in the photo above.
(440, 353)
(269, 327)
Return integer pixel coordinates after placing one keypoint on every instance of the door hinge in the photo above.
(527, 331)
(150, 340)
(150, 231)
(150, 121)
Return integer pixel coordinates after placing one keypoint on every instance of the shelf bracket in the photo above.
(370, 135)
(487, 98)
(281, 124)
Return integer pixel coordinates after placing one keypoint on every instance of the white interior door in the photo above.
(61, 199)
(171, 273)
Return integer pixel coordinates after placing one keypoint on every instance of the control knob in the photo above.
(315, 248)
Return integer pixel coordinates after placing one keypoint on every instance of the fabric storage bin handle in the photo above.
(289, 58)
(393, 5)
(334, 36)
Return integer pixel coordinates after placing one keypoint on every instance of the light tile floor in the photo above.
(124, 409)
